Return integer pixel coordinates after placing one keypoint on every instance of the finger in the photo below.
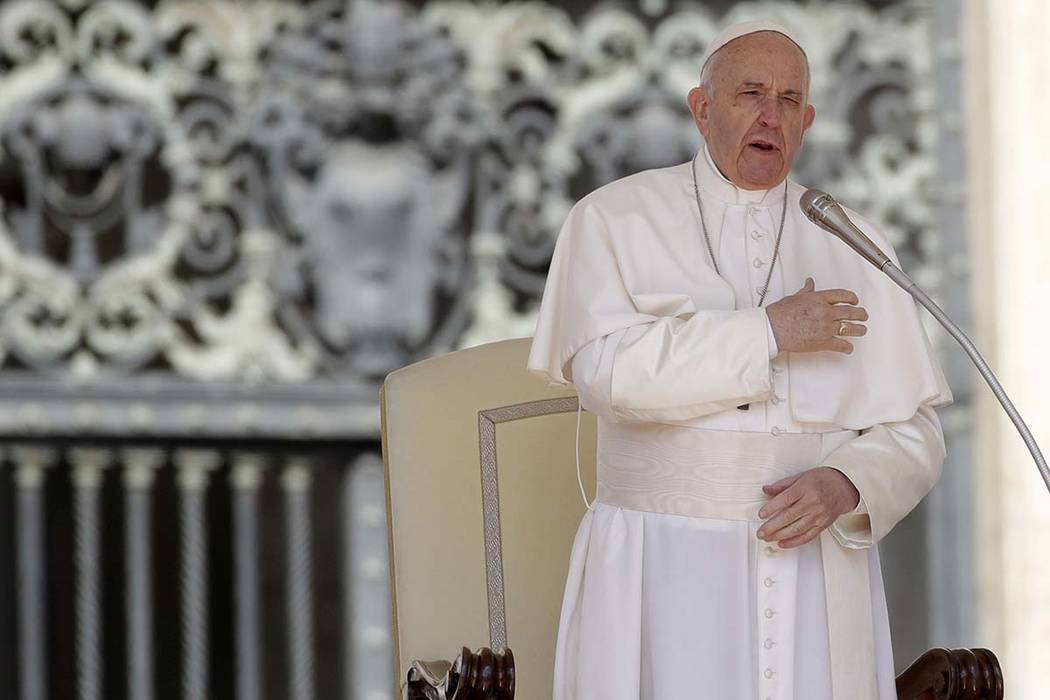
(784, 499)
(839, 345)
(850, 313)
(778, 486)
(809, 286)
(782, 519)
(802, 539)
(774, 489)
(839, 296)
(796, 529)
(851, 329)
(845, 328)
(793, 527)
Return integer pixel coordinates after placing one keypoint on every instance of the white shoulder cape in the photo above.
(630, 252)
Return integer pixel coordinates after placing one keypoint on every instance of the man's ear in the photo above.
(810, 115)
(699, 104)
(807, 121)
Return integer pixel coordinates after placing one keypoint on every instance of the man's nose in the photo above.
(770, 111)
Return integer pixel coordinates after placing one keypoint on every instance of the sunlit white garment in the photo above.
(631, 253)
(661, 606)
(677, 599)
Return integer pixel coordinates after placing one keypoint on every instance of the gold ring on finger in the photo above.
(843, 328)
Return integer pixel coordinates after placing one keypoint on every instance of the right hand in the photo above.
(808, 320)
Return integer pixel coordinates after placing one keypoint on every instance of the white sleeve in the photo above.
(592, 372)
(677, 369)
(893, 466)
(771, 339)
(674, 369)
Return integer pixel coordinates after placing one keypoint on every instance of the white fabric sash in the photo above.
(719, 474)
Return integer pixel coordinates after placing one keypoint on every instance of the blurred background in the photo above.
(223, 223)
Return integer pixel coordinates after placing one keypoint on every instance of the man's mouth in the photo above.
(764, 146)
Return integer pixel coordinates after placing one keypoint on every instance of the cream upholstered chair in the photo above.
(483, 505)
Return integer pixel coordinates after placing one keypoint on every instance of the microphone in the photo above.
(822, 209)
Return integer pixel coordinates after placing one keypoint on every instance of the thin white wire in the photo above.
(579, 478)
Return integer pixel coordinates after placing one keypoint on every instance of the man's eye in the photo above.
(750, 92)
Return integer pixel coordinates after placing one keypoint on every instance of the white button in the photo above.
(759, 289)
(777, 369)
(751, 211)
(757, 234)
(775, 400)
(770, 673)
(770, 612)
(769, 581)
(776, 430)
(768, 644)
(757, 262)
(771, 550)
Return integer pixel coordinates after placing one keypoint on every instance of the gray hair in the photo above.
(705, 73)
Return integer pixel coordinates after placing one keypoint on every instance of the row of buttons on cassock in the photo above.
(758, 262)
(770, 673)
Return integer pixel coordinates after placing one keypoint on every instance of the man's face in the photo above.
(753, 111)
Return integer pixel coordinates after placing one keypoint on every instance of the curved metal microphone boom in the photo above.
(822, 209)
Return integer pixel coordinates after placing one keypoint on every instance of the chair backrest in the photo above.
(482, 505)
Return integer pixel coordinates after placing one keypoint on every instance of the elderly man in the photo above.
(757, 434)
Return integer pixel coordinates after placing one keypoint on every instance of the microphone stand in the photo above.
(907, 284)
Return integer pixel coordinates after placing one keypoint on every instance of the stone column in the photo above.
(245, 481)
(140, 466)
(366, 568)
(30, 464)
(296, 480)
(194, 467)
(88, 466)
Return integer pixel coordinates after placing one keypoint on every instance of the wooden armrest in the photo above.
(952, 674)
(480, 675)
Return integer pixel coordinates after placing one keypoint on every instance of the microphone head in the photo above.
(817, 205)
(822, 209)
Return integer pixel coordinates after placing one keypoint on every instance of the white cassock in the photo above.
(669, 594)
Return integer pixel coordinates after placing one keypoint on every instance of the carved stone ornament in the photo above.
(232, 218)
